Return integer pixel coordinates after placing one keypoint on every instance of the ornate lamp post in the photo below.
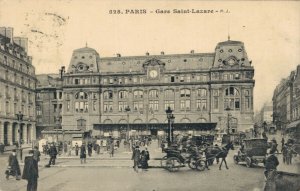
(228, 120)
(172, 119)
(127, 109)
(20, 119)
(169, 116)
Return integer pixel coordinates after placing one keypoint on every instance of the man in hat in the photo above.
(136, 155)
(13, 166)
(270, 170)
(52, 154)
(36, 154)
(31, 171)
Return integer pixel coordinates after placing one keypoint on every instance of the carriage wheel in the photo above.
(173, 164)
(193, 164)
(248, 162)
(200, 165)
(236, 159)
(163, 162)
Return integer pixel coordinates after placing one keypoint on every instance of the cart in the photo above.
(174, 160)
(253, 151)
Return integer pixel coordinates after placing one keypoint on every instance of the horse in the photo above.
(212, 153)
(223, 154)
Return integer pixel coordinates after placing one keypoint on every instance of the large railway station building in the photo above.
(102, 96)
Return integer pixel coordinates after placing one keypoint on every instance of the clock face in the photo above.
(231, 62)
(153, 73)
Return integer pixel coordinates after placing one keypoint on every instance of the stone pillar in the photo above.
(25, 138)
(17, 133)
(9, 133)
(1, 132)
(33, 132)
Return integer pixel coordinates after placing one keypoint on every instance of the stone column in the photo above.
(1, 132)
(33, 132)
(9, 133)
(25, 138)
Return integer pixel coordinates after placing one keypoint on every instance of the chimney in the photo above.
(298, 70)
(162, 53)
(147, 54)
(192, 51)
(23, 42)
(118, 55)
(7, 32)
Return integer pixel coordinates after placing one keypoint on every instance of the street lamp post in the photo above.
(228, 120)
(127, 109)
(20, 119)
(169, 117)
(172, 119)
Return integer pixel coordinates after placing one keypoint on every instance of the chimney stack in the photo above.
(162, 53)
(147, 54)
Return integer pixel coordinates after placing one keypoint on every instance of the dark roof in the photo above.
(85, 49)
(230, 42)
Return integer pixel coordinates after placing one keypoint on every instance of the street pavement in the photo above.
(102, 172)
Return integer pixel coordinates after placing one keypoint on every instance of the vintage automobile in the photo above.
(252, 151)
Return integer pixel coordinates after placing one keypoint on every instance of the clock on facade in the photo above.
(153, 73)
(231, 62)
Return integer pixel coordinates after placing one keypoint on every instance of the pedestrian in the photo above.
(162, 146)
(36, 154)
(52, 154)
(289, 155)
(82, 153)
(76, 149)
(282, 143)
(136, 158)
(70, 149)
(144, 159)
(65, 147)
(98, 149)
(31, 172)
(111, 151)
(13, 166)
(270, 171)
(90, 149)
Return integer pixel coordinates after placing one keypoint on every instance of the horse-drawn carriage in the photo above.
(253, 151)
(176, 159)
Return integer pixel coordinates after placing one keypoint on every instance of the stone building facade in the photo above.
(102, 95)
(286, 104)
(17, 82)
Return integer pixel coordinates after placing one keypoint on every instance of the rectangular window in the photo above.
(216, 102)
(54, 95)
(94, 105)
(181, 78)
(55, 107)
(188, 79)
(141, 80)
(247, 102)
(111, 81)
(104, 81)
(169, 103)
(60, 95)
(172, 78)
(134, 80)
(68, 105)
(76, 81)
(237, 104)
(122, 105)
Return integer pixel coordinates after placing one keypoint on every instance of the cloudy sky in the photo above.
(270, 31)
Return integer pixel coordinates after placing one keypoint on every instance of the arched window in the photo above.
(169, 93)
(185, 93)
(137, 94)
(185, 99)
(81, 102)
(81, 124)
(232, 98)
(153, 94)
(123, 94)
(201, 92)
(108, 94)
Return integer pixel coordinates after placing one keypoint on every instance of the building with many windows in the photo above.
(17, 82)
(286, 104)
(106, 95)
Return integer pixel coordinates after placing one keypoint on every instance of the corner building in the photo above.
(197, 86)
(17, 84)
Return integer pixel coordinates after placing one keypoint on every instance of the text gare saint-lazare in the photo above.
(158, 11)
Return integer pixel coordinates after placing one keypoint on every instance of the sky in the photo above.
(269, 29)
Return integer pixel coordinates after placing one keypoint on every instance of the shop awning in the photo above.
(293, 124)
